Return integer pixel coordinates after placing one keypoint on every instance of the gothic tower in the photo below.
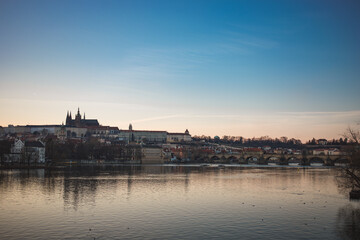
(68, 119)
(78, 119)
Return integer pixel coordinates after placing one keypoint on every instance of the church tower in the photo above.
(68, 119)
(78, 119)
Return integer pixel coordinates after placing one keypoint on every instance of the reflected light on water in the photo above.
(174, 202)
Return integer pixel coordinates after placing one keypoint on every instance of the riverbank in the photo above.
(214, 165)
(30, 167)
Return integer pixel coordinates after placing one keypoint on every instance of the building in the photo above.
(35, 151)
(151, 155)
(142, 136)
(330, 151)
(321, 141)
(320, 151)
(17, 147)
(179, 137)
(26, 152)
(33, 129)
(80, 122)
(334, 151)
(2, 131)
(63, 132)
(104, 131)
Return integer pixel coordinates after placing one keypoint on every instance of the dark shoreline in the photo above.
(220, 166)
(30, 167)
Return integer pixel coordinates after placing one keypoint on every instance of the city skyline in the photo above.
(213, 67)
(290, 115)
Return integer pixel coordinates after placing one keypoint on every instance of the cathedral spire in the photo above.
(84, 115)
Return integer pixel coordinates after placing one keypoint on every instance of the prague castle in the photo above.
(80, 127)
(79, 122)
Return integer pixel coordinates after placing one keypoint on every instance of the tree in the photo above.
(350, 174)
(4, 149)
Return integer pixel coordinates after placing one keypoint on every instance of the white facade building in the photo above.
(179, 137)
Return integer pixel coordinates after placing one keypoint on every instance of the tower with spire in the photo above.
(79, 121)
(68, 118)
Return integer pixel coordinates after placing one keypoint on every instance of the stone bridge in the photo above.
(281, 159)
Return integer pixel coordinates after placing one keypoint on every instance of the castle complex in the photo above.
(80, 122)
(80, 128)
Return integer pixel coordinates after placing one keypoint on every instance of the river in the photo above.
(176, 202)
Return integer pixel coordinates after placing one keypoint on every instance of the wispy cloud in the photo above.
(156, 118)
(247, 40)
(355, 113)
(167, 62)
(181, 59)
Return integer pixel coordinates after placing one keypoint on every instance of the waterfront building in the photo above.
(326, 151)
(26, 152)
(152, 155)
(35, 151)
(320, 151)
(334, 151)
(2, 131)
(17, 147)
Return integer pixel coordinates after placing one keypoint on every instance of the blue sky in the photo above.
(250, 68)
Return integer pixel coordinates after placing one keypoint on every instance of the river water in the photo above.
(176, 202)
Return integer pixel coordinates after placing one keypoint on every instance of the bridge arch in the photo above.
(316, 159)
(214, 158)
(253, 159)
(272, 159)
(341, 160)
(294, 159)
(243, 160)
(206, 159)
(232, 159)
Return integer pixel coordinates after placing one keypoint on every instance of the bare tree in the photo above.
(350, 174)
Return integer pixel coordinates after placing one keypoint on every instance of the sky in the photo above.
(240, 68)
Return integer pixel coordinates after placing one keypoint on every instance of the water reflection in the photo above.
(175, 201)
(348, 222)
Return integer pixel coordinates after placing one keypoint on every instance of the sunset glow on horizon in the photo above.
(251, 69)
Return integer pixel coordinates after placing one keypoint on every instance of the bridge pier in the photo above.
(329, 162)
(243, 161)
(283, 160)
(283, 163)
(305, 162)
(262, 161)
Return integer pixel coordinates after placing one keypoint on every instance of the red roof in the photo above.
(103, 128)
(142, 131)
(252, 150)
